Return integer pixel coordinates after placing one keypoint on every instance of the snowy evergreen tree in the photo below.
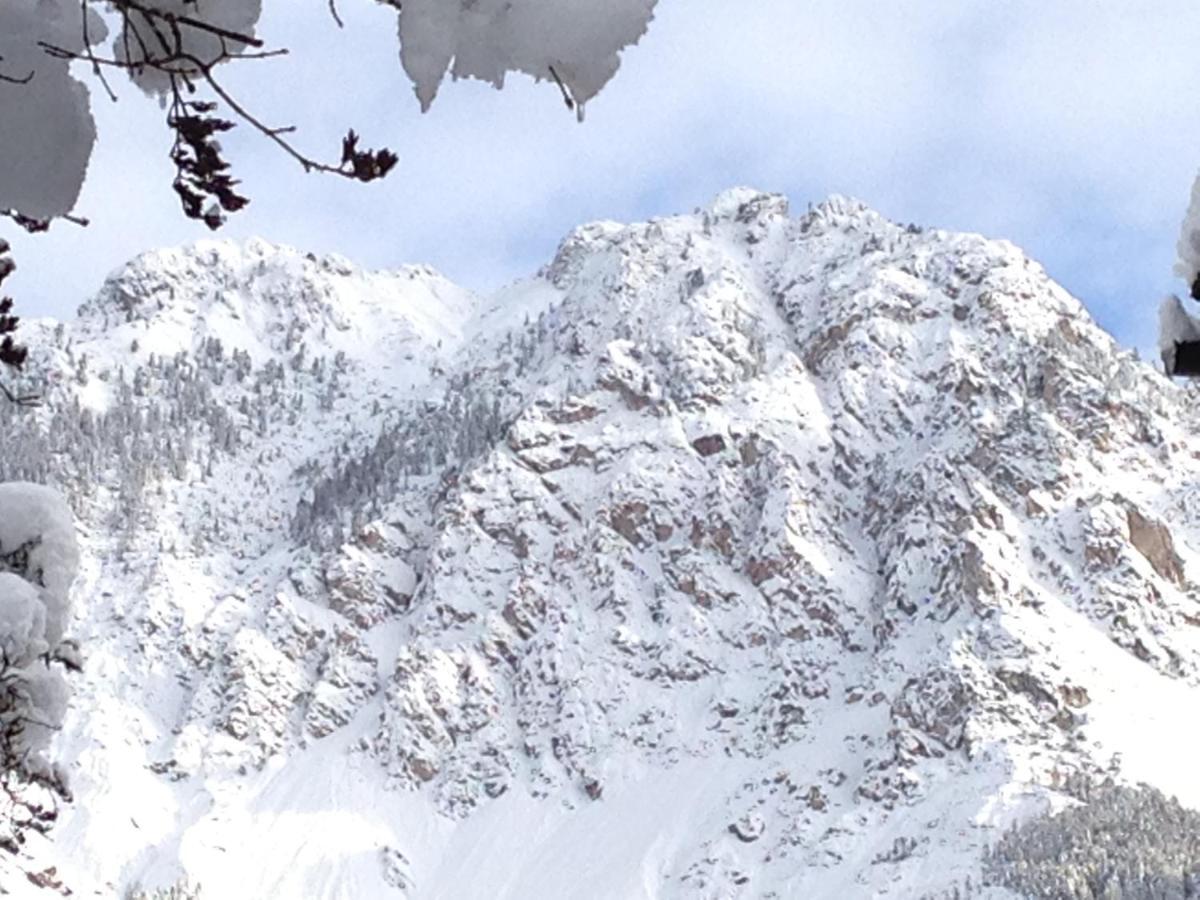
(38, 559)
(1121, 842)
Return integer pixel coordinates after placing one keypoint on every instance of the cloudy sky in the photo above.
(1067, 127)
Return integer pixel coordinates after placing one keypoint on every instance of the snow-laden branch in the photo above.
(1187, 264)
(1175, 326)
(38, 561)
(46, 127)
(173, 48)
(575, 43)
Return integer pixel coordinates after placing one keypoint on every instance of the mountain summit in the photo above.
(735, 554)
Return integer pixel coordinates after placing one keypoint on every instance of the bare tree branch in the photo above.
(158, 41)
(333, 11)
(9, 79)
(566, 94)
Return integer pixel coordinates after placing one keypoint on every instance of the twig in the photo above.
(10, 79)
(175, 21)
(566, 94)
(194, 66)
(25, 400)
(87, 45)
(34, 224)
(333, 11)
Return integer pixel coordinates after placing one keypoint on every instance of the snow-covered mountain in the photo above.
(734, 554)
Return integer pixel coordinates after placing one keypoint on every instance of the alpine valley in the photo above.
(733, 555)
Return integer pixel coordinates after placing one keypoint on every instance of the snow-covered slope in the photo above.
(733, 555)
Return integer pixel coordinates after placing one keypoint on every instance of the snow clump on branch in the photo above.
(574, 42)
(38, 561)
(46, 126)
(1187, 266)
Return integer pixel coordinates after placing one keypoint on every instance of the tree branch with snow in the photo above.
(38, 562)
(173, 49)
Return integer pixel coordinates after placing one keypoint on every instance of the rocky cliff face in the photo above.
(735, 554)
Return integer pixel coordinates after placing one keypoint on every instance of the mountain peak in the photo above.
(820, 549)
(734, 202)
(264, 298)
